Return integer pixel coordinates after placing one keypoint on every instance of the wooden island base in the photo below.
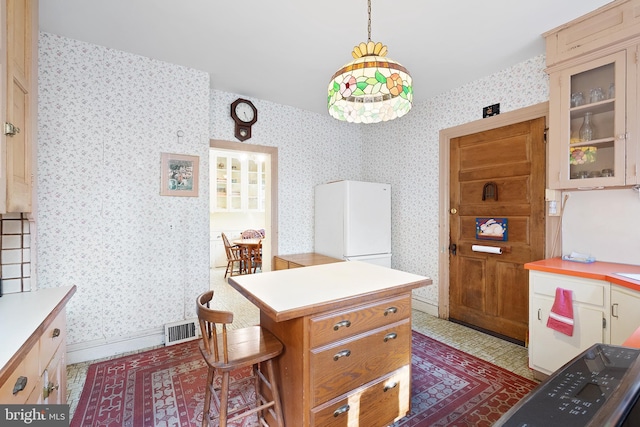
(346, 329)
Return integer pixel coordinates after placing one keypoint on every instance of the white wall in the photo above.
(105, 117)
(604, 224)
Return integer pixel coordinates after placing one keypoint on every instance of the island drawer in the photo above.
(51, 339)
(379, 403)
(350, 363)
(29, 369)
(338, 325)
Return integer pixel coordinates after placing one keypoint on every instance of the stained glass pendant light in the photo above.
(371, 88)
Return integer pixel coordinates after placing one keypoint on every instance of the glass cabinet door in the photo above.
(221, 183)
(592, 121)
(237, 182)
(255, 184)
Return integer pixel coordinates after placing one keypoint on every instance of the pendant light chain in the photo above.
(369, 22)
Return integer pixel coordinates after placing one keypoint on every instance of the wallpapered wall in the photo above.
(405, 153)
(312, 149)
(316, 148)
(105, 117)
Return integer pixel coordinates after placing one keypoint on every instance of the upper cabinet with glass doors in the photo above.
(237, 182)
(593, 99)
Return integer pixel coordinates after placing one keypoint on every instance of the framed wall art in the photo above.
(179, 175)
(491, 229)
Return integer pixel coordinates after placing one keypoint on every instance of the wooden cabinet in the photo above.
(44, 369)
(353, 356)
(285, 262)
(346, 330)
(625, 313)
(33, 358)
(549, 349)
(593, 69)
(238, 183)
(18, 87)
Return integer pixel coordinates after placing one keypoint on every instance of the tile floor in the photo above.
(495, 350)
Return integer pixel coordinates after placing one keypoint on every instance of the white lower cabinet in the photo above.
(549, 349)
(625, 313)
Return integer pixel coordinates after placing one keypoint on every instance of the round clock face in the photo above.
(244, 112)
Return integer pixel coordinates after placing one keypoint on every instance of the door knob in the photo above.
(453, 211)
(453, 248)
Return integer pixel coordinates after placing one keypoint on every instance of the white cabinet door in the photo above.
(625, 313)
(549, 349)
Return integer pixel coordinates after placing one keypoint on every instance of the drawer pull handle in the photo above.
(390, 336)
(391, 310)
(614, 310)
(341, 410)
(21, 383)
(388, 387)
(48, 389)
(343, 353)
(56, 333)
(339, 325)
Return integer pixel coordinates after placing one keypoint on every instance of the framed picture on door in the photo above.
(179, 175)
(491, 229)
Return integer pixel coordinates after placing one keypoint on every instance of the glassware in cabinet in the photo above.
(591, 140)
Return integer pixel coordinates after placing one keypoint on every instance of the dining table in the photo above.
(250, 245)
(247, 243)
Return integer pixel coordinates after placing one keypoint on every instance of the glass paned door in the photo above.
(595, 134)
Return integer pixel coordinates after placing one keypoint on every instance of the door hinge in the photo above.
(604, 323)
(10, 129)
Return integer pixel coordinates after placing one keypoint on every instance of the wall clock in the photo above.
(244, 114)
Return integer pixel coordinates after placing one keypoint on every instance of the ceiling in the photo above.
(285, 51)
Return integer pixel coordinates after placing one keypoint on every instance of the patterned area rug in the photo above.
(165, 387)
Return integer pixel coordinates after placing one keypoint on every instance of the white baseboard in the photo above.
(424, 306)
(100, 349)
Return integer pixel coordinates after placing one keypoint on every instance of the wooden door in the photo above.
(486, 290)
(20, 41)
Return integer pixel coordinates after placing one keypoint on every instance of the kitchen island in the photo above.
(346, 329)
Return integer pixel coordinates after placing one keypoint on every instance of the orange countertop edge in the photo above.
(597, 270)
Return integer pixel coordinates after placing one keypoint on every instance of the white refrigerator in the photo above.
(353, 221)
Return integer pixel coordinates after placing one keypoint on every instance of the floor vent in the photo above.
(181, 331)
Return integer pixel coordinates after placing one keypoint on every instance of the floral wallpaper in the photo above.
(405, 153)
(105, 117)
(312, 149)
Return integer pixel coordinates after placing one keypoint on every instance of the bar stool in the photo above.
(236, 349)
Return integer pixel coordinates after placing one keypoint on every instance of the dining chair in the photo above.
(235, 255)
(255, 255)
(226, 351)
(252, 234)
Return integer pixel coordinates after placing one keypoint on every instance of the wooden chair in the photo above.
(235, 255)
(252, 234)
(227, 351)
(256, 257)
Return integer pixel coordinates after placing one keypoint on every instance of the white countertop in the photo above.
(285, 291)
(21, 314)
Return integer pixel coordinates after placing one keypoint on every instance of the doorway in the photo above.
(271, 190)
(446, 217)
